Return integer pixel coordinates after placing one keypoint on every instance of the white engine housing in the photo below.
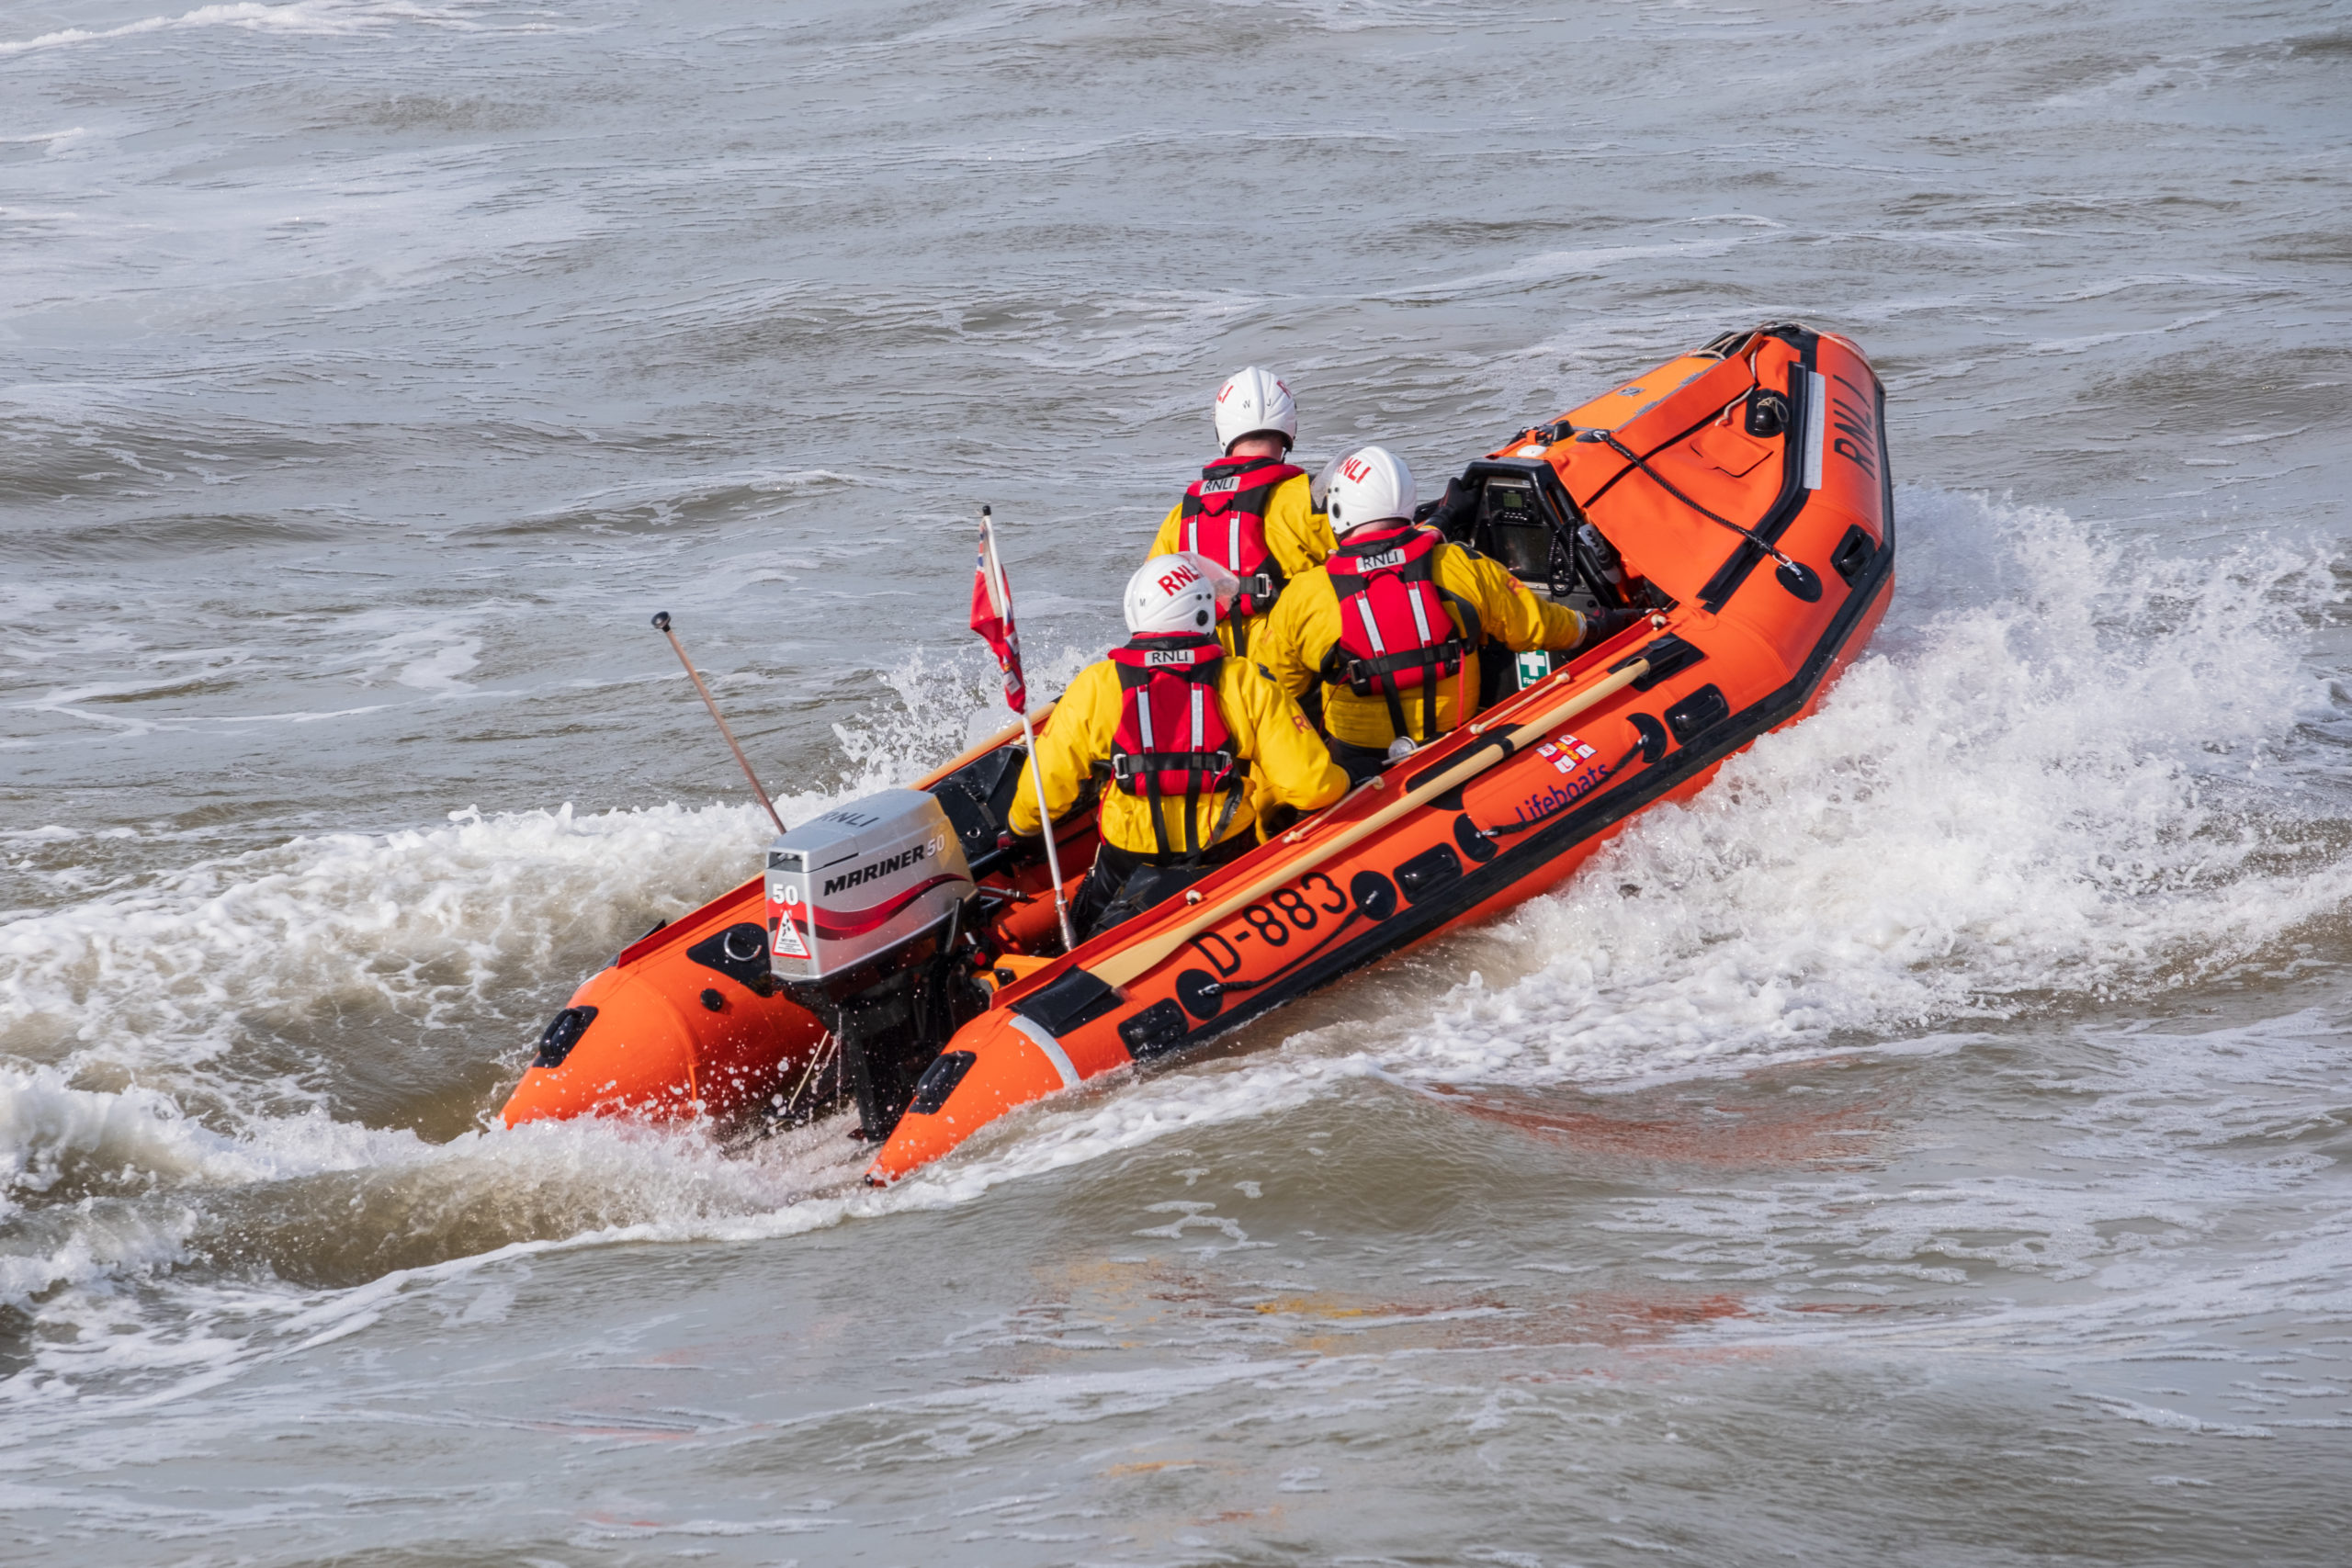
(859, 881)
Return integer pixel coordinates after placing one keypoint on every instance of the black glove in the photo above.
(1600, 625)
(1453, 514)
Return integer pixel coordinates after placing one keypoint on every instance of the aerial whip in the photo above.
(661, 625)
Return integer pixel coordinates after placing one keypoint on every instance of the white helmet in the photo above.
(1183, 592)
(1370, 484)
(1254, 402)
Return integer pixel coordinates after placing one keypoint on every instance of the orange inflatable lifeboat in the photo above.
(903, 956)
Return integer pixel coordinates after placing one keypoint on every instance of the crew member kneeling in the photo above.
(1196, 744)
(1250, 510)
(1392, 623)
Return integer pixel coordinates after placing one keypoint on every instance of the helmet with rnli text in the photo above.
(1371, 484)
(1181, 592)
(1255, 403)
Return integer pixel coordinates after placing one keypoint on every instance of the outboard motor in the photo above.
(866, 912)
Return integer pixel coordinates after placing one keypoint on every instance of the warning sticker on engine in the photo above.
(786, 940)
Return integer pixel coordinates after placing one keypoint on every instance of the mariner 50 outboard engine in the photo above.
(867, 907)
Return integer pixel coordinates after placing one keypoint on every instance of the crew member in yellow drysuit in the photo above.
(1392, 622)
(1251, 510)
(1199, 745)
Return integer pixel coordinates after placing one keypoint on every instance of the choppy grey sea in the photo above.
(1931, 1146)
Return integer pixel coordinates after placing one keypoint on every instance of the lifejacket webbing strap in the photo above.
(1434, 659)
(1194, 661)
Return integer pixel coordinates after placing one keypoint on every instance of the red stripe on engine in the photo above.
(880, 915)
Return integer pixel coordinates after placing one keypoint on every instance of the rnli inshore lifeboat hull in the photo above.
(1779, 431)
(1765, 444)
(689, 1023)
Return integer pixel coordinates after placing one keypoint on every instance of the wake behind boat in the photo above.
(903, 951)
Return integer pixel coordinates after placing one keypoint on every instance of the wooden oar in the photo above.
(1130, 962)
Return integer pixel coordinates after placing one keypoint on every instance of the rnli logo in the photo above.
(1386, 558)
(1176, 579)
(1356, 469)
(1857, 438)
(1170, 655)
(1225, 486)
(876, 869)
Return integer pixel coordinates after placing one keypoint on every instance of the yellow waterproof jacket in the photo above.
(1288, 762)
(1305, 628)
(1298, 537)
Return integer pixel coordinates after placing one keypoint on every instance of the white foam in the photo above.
(438, 927)
(48, 1129)
(174, 971)
(2029, 791)
(103, 1244)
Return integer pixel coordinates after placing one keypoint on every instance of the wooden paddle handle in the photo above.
(1141, 958)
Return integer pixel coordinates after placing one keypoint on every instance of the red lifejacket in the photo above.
(1394, 632)
(1173, 735)
(1224, 518)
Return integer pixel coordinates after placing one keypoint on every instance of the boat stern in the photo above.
(621, 1048)
(997, 1061)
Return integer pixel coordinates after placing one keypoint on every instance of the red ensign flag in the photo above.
(992, 618)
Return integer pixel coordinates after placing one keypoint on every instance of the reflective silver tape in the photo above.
(1050, 1046)
(1817, 425)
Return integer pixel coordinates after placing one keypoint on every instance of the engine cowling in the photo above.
(847, 887)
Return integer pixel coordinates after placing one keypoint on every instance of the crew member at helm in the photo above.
(1250, 510)
(1196, 745)
(1391, 623)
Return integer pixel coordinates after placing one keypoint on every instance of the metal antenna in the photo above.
(661, 625)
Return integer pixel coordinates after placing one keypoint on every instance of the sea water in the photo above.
(1929, 1145)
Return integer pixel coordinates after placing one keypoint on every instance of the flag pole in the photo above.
(999, 601)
